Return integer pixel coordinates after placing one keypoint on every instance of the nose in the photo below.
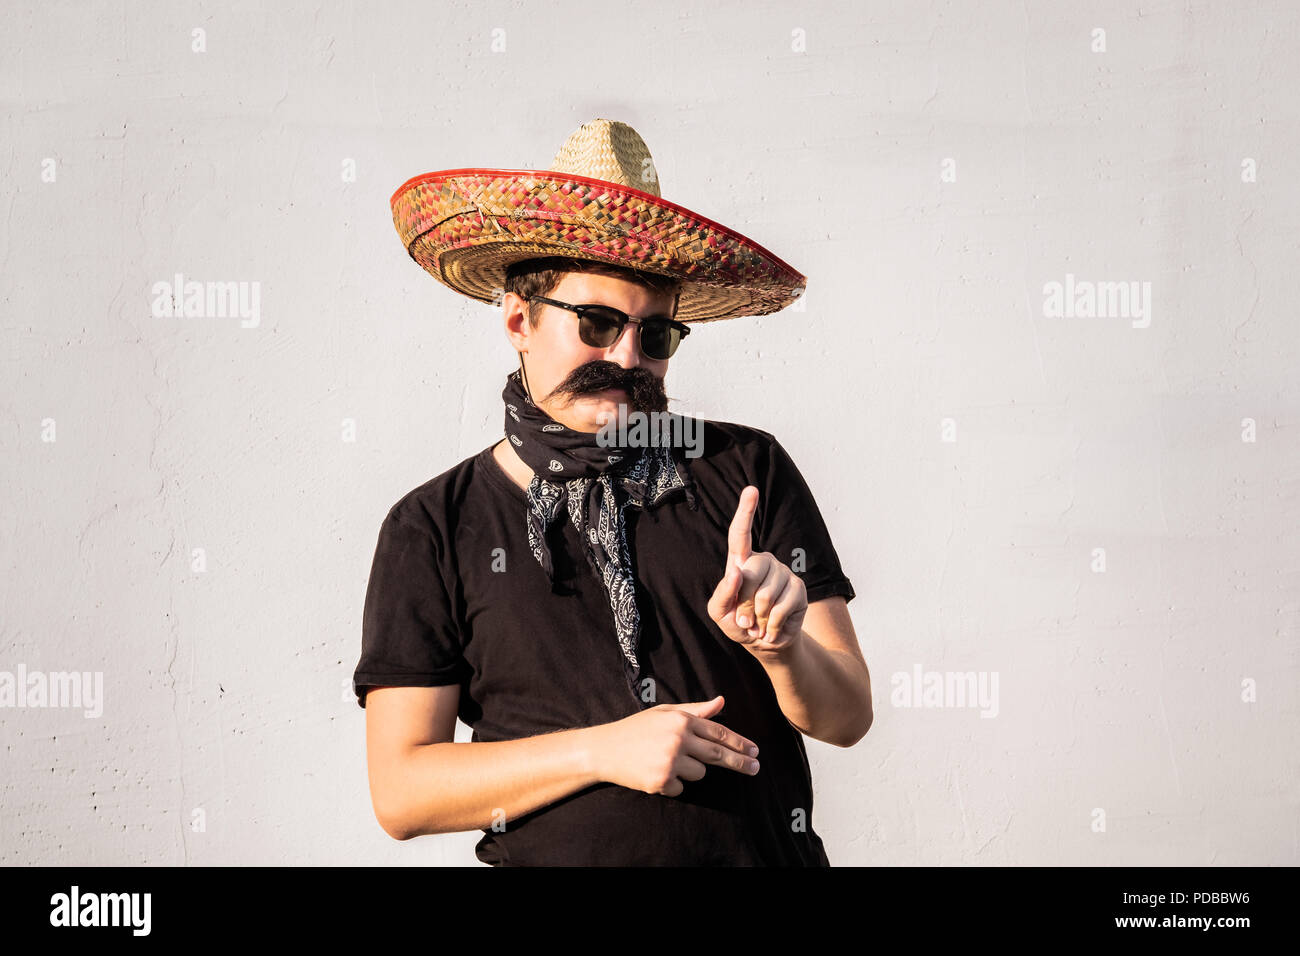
(626, 350)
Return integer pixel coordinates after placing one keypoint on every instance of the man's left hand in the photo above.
(759, 602)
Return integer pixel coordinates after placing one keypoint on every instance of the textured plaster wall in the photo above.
(1098, 512)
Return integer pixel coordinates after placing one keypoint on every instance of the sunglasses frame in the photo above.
(623, 319)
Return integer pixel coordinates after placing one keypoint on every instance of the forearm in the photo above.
(825, 694)
(449, 787)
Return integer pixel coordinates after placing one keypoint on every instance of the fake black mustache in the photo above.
(645, 390)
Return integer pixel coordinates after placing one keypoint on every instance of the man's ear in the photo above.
(514, 312)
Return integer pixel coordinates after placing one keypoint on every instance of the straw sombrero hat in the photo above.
(599, 200)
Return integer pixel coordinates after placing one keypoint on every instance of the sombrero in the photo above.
(599, 200)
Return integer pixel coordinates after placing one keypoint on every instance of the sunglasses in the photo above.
(601, 325)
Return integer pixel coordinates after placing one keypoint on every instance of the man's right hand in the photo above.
(655, 750)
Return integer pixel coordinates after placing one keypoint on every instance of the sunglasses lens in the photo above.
(599, 327)
(659, 340)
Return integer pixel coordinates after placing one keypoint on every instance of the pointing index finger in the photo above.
(738, 535)
(719, 733)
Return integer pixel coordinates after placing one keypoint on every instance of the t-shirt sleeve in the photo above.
(409, 631)
(789, 524)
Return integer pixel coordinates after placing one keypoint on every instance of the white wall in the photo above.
(226, 690)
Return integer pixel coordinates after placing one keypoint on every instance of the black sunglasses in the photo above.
(600, 326)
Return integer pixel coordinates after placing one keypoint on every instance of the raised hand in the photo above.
(759, 602)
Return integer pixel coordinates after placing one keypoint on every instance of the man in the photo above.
(622, 626)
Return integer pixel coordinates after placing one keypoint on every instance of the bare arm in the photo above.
(422, 782)
(822, 681)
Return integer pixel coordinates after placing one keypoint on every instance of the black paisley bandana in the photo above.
(598, 482)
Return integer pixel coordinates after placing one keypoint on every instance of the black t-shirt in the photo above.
(456, 597)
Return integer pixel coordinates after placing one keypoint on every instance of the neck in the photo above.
(514, 466)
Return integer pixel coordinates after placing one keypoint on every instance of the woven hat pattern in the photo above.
(466, 226)
(611, 152)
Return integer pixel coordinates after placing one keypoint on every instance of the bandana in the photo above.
(597, 482)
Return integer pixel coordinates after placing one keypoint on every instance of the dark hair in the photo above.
(540, 277)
